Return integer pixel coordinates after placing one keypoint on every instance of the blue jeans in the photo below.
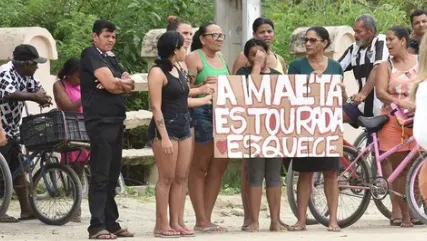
(177, 126)
(203, 124)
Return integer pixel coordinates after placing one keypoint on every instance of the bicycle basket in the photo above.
(52, 129)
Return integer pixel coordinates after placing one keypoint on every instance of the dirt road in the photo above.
(138, 215)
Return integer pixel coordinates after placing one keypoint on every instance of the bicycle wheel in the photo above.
(5, 186)
(384, 205)
(361, 140)
(50, 158)
(85, 181)
(358, 175)
(62, 184)
(415, 201)
(291, 191)
(120, 188)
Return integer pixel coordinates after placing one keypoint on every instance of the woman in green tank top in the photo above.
(205, 63)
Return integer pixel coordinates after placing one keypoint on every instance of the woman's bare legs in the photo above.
(166, 165)
(179, 185)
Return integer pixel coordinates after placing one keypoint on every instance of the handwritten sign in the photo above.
(278, 116)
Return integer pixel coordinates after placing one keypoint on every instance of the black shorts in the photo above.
(11, 152)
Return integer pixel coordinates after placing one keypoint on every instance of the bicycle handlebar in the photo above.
(402, 115)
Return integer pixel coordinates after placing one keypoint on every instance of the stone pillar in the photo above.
(251, 10)
(228, 15)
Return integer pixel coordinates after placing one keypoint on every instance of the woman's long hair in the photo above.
(422, 65)
(72, 65)
(166, 45)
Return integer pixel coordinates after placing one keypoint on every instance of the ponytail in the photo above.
(197, 44)
(166, 46)
(164, 64)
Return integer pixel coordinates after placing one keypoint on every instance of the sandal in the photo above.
(334, 228)
(185, 232)
(210, 229)
(416, 221)
(296, 228)
(406, 225)
(395, 221)
(124, 233)
(169, 233)
(8, 219)
(103, 234)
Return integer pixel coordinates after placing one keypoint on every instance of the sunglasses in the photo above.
(216, 36)
(312, 40)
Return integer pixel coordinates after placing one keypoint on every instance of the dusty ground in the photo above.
(138, 215)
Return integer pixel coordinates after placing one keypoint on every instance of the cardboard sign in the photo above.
(278, 116)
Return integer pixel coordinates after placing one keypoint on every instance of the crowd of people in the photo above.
(389, 68)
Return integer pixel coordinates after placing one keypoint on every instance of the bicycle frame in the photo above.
(381, 157)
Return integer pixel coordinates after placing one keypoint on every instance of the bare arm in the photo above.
(381, 86)
(63, 100)
(370, 83)
(156, 80)
(193, 62)
(195, 102)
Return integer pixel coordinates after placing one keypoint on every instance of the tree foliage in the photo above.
(70, 22)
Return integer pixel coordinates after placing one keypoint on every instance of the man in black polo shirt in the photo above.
(419, 28)
(103, 82)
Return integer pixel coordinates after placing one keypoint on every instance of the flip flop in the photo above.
(211, 229)
(296, 228)
(102, 234)
(186, 232)
(124, 233)
(169, 233)
(8, 219)
(415, 221)
(333, 228)
(395, 222)
(406, 225)
(31, 217)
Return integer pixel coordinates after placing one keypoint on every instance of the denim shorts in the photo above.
(203, 124)
(177, 126)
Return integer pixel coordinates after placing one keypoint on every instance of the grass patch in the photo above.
(230, 184)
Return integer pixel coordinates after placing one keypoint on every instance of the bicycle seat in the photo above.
(372, 124)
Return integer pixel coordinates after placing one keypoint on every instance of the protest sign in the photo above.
(278, 116)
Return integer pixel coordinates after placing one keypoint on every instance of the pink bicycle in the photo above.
(357, 186)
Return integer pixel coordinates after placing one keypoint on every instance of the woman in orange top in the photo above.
(394, 81)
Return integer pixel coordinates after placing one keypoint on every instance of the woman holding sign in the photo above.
(263, 28)
(316, 41)
(262, 168)
(205, 63)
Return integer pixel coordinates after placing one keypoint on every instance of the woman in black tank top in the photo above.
(169, 132)
(170, 127)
